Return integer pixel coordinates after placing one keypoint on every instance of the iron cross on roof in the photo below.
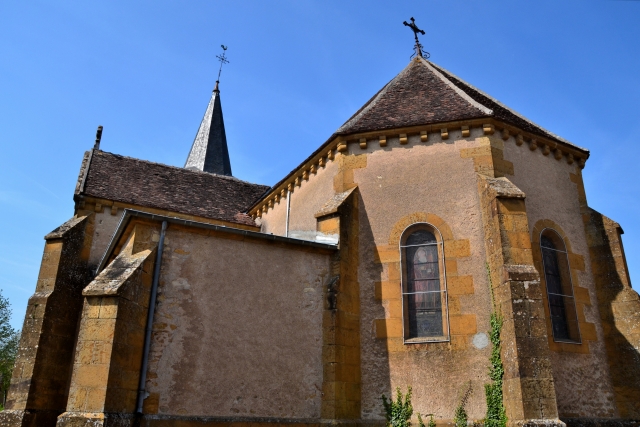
(223, 60)
(418, 46)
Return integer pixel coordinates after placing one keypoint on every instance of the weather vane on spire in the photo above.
(223, 60)
(418, 46)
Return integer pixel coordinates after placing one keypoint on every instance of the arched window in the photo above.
(557, 275)
(424, 292)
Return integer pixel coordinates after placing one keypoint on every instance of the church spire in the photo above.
(209, 151)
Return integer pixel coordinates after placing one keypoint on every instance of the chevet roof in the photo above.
(155, 185)
(424, 93)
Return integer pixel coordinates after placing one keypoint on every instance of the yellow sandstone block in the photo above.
(512, 206)
(91, 376)
(387, 290)
(588, 331)
(519, 240)
(576, 261)
(463, 324)
(394, 309)
(581, 295)
(457, 249)
(395, 345)
(387, 253)
(393, 271)
(91, 308)
(97, 329)
(108, 308)
(452, 267)
(388, 328)
(95, 399)
(484, 150)
(460, 285)
(332, 224)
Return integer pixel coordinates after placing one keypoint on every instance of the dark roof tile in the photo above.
(139, 182)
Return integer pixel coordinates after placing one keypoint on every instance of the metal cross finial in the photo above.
(418, 46)
(223, 60)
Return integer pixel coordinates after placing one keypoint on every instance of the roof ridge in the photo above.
(231, 178)
(370, 103)
(459, 91)
(500, 104)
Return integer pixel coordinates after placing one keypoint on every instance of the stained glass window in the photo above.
(424, 293)
(557, 275)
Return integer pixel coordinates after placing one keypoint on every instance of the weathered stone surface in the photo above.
(39, 384)
(110, 341)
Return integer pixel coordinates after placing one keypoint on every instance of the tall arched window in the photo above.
(424, 292)
(557, 275)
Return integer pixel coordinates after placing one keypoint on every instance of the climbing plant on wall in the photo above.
(398, 413)
(496, 413)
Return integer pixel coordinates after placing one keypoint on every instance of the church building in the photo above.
(184, 296)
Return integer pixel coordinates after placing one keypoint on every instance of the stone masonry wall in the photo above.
(556, 199)
(40, 381)
(401, 184)
(238, 328)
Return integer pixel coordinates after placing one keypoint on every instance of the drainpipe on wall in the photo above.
(286, 229)
(150, 313)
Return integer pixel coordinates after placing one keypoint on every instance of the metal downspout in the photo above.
(286, 229)
(150, 313)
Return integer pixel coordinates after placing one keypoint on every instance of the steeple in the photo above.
(209, 152)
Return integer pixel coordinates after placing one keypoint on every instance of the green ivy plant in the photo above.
(398, 413)
(431, 422)
(460, 417)
(496, 413)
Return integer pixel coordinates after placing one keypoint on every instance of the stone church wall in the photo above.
(306, 200)
(238, 328)
(555, 198)
(400, 185)
(104, 225)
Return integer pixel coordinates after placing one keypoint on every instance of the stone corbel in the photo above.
(570, 158)
(557, 154)
(488, 129)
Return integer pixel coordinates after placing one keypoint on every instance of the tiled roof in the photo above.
(424, 93)
(138, 182)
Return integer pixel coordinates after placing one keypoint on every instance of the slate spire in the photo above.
(209, 151)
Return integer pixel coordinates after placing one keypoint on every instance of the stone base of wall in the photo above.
(187, 421)
(539, 423)
(20, 418)
(97, 419)
(600, 422)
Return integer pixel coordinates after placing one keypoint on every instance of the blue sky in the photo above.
(145, 70)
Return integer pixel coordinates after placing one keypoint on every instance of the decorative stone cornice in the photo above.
(340, 144)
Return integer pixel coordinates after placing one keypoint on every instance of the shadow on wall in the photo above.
(619, 307)
(376, 377)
